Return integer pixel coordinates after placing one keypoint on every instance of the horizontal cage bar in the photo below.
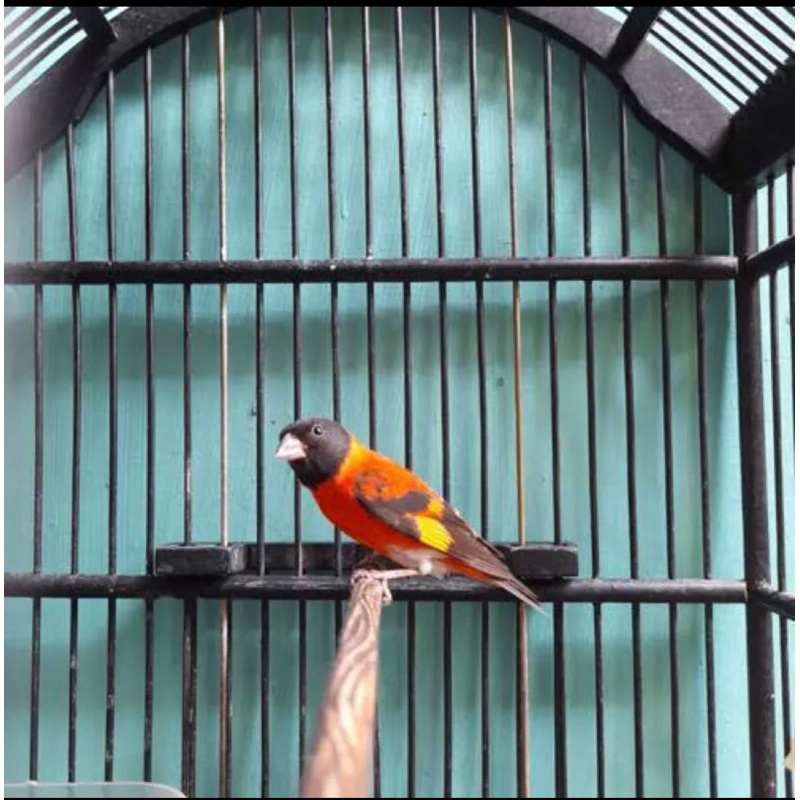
(766, 261)
(782, 603)
(332, 587)
(361, 269)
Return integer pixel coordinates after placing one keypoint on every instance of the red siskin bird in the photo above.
(388, 508)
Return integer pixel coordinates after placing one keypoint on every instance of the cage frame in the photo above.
(740, 151)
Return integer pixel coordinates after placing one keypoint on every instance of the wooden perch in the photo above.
(341, 760)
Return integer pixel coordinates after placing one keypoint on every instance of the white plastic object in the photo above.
(78, 790)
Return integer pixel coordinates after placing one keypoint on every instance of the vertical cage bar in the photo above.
(523, 773)
(622, 122)
(112, 533)
(259, 248)
(150, 415)
(330, 153)
(404, 233)
(187, 296)
(630, 428)
(296, 286)
(367, 89)
(292, 134)
(112, 431)
(260, 522)
(258, 135)
(760, 679)
(185, 209)
(298, 541)
(189, 695)
(332, 251)
(302, 683)
(223, 297)
(148, 154)
(666, 379)
(547, 69)
(591, 402)
(189, 649)
(401, 137)
(225, 607)
(777, 447)
(481, 339)
(226, 692)
(401, 141)
(76, 462)
(559, 683)
(297, 350)
(370, 289)
(368, 243)
(790, 232)
(447, 650)
(265, 680)
(260, 537)
(705, 506)
(38, 461)
(36, 630)
(407, 406)
(547, 72)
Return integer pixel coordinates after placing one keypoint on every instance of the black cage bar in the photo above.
(303, 571)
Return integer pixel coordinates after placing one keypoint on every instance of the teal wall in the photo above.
(726, 523)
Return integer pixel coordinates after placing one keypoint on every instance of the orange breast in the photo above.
(347, 514)
(337, 502)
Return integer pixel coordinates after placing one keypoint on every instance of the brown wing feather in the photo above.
(401, 513)
(471, 548)
(372, 490)
(479, 554)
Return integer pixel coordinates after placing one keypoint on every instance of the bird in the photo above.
(390, 509)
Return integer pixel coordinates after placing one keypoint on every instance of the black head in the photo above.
(315, 449)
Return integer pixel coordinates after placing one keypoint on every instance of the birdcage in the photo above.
(544, 256)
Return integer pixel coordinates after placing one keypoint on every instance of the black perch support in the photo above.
(535, 561)
(202, 558)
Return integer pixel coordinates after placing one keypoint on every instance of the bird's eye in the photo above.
(318, 430)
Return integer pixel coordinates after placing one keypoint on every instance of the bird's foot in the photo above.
(383, 576)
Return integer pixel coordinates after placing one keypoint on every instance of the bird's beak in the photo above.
(290, 448)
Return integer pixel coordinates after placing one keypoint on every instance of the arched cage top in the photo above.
(717, 83)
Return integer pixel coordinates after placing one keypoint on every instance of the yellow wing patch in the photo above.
(433, 534)
(435, 507)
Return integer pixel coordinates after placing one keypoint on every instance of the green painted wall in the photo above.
(90, 161)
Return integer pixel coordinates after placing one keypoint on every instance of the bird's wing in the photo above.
(412, 508)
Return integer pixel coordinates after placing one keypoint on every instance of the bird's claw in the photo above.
(383, 576)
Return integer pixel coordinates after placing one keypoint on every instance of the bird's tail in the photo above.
(520, 591)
